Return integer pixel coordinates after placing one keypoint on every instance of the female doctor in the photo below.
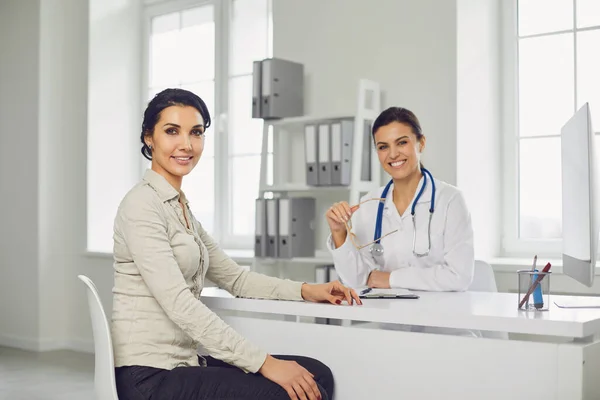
(424, 226)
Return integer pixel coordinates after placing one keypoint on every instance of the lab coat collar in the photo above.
(164, 189)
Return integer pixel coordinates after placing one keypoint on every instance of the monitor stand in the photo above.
(579, 302)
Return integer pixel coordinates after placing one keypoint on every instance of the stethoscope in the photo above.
(377, 248)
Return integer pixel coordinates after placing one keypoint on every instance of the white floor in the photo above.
(54, 375)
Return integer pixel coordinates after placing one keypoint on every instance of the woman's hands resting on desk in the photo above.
(333, 292)
(295, 379)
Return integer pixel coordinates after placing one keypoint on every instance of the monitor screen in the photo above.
(580, 223)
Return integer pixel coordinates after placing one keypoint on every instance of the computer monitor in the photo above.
(580, 208)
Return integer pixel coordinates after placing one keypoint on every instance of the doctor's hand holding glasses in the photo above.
(339, 217)
(413, 233)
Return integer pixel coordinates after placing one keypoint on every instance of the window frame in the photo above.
(511, 244)
(223, 177)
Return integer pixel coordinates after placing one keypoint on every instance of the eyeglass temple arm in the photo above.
(370, 243)
(366, 201)
(349, 226)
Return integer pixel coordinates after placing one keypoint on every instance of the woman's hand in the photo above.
(295, 379)
(336, 216)
(333, 292)
(379, 279)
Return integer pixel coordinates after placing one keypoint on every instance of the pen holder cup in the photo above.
(534, 290)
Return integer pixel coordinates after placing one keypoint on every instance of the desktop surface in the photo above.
(463, 310)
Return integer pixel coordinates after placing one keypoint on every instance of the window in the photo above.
(208, 48)
(554, 61)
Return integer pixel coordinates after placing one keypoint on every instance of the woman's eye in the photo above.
(197, 132)
(171, 131)
(382, 147)
(403, 142)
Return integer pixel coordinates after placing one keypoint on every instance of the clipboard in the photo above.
(370, 293)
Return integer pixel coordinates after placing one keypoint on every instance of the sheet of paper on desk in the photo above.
(394, 292)
(575, 302)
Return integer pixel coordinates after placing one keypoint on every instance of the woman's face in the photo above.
(177, 141)
(398, 149)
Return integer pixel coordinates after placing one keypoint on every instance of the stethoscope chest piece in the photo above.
(377, 249)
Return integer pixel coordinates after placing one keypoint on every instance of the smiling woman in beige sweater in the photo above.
(162, 257)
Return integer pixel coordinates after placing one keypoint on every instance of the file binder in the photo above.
(322, 274)
(282, 88)
(332, 274)
(324, 155)
(310, 152)
(260, 242)
(256, 89)
(341, 152)
(272, 227)
(296, 227)
(365, 165)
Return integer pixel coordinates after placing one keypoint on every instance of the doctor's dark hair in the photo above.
(398, 114)
(168, 98)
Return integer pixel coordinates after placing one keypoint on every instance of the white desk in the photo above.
(387, 364)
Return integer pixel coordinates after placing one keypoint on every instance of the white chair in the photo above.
(104, 373)
(483, 278)
(485, 281)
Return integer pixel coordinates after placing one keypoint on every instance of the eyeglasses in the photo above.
(353, 237)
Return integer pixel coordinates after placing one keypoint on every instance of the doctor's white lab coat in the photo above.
(447, 267)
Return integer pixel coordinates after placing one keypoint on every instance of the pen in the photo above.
(534, 285)
(538, 299)
(365, 291)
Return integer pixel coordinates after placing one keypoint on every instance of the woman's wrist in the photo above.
(339, 238)
(266, 364)
(305, 291)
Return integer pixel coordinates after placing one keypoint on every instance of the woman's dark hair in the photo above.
(398, 114)
(168, 98)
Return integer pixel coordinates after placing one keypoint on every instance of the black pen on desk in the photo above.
(365, 291)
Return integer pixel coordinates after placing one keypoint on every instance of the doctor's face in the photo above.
(177, 141)
(398, 149)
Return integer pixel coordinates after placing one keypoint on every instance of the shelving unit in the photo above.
(289, 174)
(286, 152)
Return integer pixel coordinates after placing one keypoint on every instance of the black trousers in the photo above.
(217, 381)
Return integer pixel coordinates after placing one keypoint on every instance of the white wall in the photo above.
(19, 144)
(478, 162)
(62, 140)
(408, 46)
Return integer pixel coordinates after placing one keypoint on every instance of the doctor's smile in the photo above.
(398, 164)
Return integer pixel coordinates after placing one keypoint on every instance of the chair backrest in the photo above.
(483, 278)
(485, 281)
(104, 373)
